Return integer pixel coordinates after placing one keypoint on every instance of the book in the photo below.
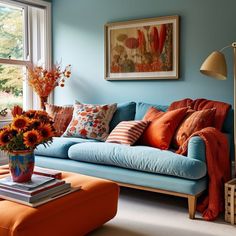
(43, 200)
(36, 181)
(39, 189)
(32, 199)
(48, 172)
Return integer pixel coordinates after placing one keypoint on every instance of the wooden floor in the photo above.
(142, 213)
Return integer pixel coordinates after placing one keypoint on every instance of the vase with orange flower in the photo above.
(44, 81)
(20, 138)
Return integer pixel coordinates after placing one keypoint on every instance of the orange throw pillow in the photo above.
(194, 121)
(61, 116)
(160, 131)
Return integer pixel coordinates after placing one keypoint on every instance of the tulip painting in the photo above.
(142, 49)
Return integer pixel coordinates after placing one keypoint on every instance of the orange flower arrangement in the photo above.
(44, 81)
(27, 130)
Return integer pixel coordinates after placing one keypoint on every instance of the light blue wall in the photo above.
(78, 38)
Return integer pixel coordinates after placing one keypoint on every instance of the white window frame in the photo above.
(30, 99)
(25, 61)
(48, 27)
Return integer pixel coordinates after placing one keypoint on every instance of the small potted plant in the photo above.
(27, 130)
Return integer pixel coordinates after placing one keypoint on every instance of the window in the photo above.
(24, 39)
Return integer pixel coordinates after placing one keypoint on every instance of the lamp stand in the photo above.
(215, 66)
(234, 47)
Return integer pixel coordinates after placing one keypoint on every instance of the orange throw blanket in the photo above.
(218, 167)
(217, 155)
(200, 104)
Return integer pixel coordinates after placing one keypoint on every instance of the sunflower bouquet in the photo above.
(27, 130)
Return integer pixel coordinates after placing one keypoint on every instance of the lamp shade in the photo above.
(215, 66)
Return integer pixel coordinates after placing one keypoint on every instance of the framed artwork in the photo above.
(142, 49)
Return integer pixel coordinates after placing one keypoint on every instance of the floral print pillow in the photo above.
(91, 121)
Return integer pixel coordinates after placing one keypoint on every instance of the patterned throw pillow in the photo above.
(61, 116)
(127, 132)
(91, 121)
(194, 121)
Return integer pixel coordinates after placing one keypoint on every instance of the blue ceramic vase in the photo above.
(21, 165)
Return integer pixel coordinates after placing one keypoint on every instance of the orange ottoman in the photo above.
(72, 215)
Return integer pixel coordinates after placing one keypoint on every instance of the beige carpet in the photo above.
(143, 213)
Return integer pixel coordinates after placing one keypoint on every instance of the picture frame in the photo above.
(146, 49)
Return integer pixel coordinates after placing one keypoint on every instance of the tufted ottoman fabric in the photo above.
(75, 214)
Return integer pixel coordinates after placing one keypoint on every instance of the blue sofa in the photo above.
(139, 167)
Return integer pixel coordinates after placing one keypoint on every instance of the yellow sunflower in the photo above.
(30, 113)
(46, 131)
(41, 113)
(20, 123)
(4, 138)
(35, 123)
(32, 138)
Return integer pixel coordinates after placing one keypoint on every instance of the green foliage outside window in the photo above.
(11, 46)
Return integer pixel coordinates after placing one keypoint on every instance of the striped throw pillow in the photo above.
(61, 116)
(127, 132)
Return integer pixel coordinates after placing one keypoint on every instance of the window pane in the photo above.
(11, 85)
(11, 32)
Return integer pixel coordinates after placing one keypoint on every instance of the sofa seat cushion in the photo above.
(126, 176)
(60, 146)
(141, 158)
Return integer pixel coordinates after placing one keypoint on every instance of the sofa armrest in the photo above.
(196, 148)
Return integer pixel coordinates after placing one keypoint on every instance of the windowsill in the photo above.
(7, 117)
(3, 160)
(5, 120)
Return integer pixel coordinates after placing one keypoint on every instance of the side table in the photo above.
(230, 201)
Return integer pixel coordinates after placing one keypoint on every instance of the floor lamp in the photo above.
(215, 66)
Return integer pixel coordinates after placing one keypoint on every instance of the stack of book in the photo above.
(44, 186)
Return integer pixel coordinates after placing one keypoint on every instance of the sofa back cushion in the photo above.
(124, 112)
(142, 107)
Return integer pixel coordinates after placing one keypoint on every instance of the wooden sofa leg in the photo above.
(192, 203)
